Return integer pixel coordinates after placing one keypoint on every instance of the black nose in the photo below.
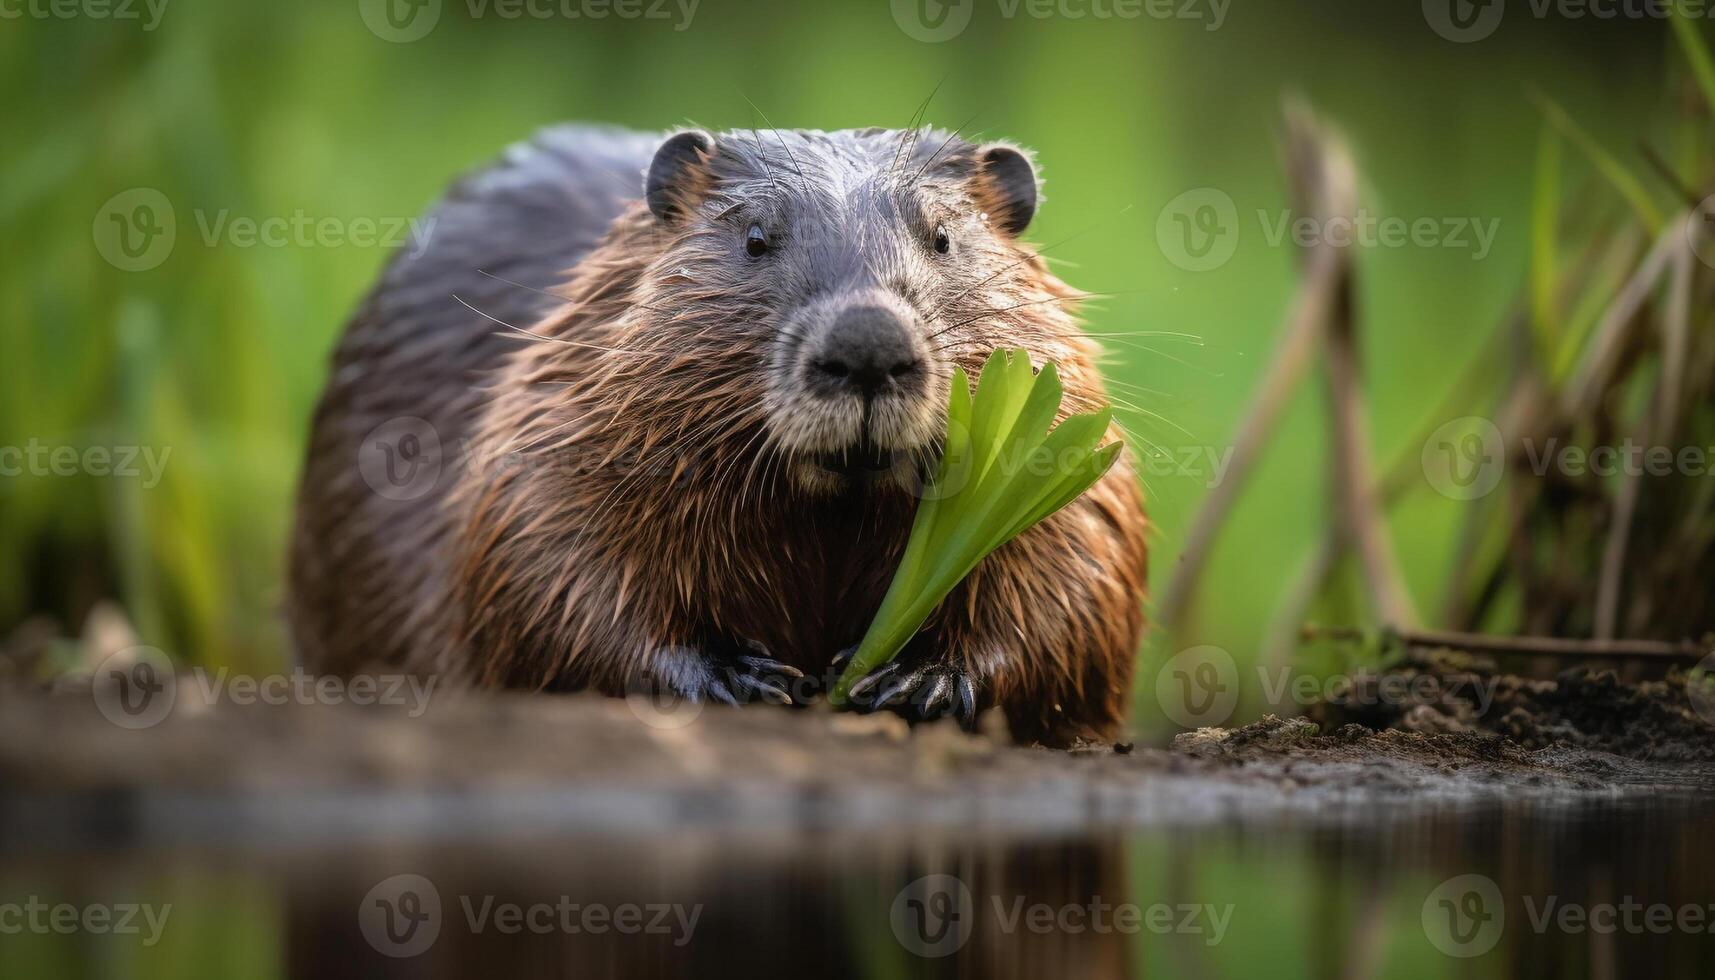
(868, 349)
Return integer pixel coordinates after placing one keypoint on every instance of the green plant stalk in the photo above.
(1696, 53)
(1544, 239)
(1002, 471)
(1621, 179)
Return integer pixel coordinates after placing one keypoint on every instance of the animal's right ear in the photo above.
(678, 173)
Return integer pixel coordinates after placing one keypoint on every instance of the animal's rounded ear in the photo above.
(677, 173)
(1006, 182)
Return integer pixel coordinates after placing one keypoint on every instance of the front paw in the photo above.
(726, 674)
(921, 688)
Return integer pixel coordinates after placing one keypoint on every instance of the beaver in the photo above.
(690, 460)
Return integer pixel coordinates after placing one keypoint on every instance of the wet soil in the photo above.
(616, 766)
(1580, 708)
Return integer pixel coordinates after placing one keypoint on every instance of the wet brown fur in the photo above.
(621, 495)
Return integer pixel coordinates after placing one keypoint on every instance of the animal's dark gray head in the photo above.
(861, 262)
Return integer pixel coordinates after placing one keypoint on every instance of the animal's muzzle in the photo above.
(866, 350)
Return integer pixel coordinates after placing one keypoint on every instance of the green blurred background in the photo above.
(267, 110)
(271, 110)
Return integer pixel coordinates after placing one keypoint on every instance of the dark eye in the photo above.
(943, 244)
(755, 242)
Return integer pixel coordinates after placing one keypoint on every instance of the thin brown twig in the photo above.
(1658, 422)
(1604, 347)
(1318, 193)
(1291, 360)
(1355, 494)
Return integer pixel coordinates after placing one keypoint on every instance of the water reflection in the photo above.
(1521, 890)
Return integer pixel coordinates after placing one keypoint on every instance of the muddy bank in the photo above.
(1580, 708)
(458, 765)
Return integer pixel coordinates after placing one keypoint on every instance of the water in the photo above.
(1621, 886)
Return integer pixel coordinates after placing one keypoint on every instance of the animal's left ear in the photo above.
(1006, 186)
(674, 174)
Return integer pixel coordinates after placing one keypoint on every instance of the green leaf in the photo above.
(1605, 163)
(1544, 239)
(1002, 471)
(1696, 53)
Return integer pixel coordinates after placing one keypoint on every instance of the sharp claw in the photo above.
(767, 691)
(938, 696)
(843, 658)
(896, 688)
(967, 710)
(768, 665)
(719, 692)
(870, 680)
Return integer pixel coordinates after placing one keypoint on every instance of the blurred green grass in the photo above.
(268, 110)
